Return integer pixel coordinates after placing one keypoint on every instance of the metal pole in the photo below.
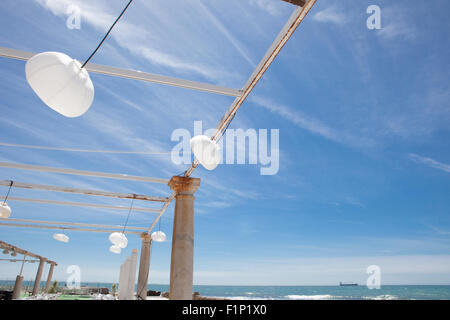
(81, 172)
(136, 75)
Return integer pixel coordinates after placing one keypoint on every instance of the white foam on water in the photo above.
(382, 297)
(310, 297)
(246, 298)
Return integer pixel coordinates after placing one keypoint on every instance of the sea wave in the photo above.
(310, 297)
(382, 297)
(250, 298)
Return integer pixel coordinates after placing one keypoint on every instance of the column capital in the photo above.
(184, 185)
(43, 259)
(146, 237)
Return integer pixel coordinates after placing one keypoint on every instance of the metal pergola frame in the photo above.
(10, 247)
(240, 96)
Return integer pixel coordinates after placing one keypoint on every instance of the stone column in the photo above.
(17, 287)
(123, 280)
(132, 274)
(144, 266)
(37, 281)
(49, 277)
(182, 260)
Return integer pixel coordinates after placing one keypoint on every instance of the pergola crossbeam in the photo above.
(81, 204)
(135, 75)
(10, 247)
(76, 224)
(17, 225)
(291, 25)
(81, 172)
(82, 191)
(19, 260)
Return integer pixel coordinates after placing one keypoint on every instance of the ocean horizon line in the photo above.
(239, 285)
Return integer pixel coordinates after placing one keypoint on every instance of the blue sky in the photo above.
(364, 137)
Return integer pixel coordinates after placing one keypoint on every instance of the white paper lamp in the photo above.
(115, 249)
(60, 83)
(5, 210)
(118, 239)
(61, 237)
(206, 151)
(159, 236)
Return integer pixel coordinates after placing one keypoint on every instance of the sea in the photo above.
(397, 292)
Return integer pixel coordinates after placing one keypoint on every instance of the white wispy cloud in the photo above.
(313, 125)
(330, 15)
(438, 230)
(239, 47)
(132, 36)
(396, 30)
(270, 6)
(430, 162)
(398, 269)
(397, 22)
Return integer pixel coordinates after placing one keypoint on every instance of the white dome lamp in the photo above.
(118, 239)
(159, 236)
(115, 249)
(61, 237)
(5, 210)
(61, 82)
(206, 151)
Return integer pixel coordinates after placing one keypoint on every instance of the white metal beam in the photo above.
(136, 75)
(294, 21)
(82, 173)
(77, 224)
(82, 191)
(10, 247)
(17, 225)
(81, 204)
(19, 260)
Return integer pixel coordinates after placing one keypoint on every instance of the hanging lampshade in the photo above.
(61, 237)
(118, 239)
(206, 151)
(115, 249)
(159, 236)
(5, 210)
(60, 82)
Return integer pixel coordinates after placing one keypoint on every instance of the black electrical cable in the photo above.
(107, 34)
(7, 194)
(126, 222)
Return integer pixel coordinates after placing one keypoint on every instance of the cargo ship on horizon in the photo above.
(347, 284)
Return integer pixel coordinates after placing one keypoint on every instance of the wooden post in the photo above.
(144, 266)
(49, 277)
(37, 281)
